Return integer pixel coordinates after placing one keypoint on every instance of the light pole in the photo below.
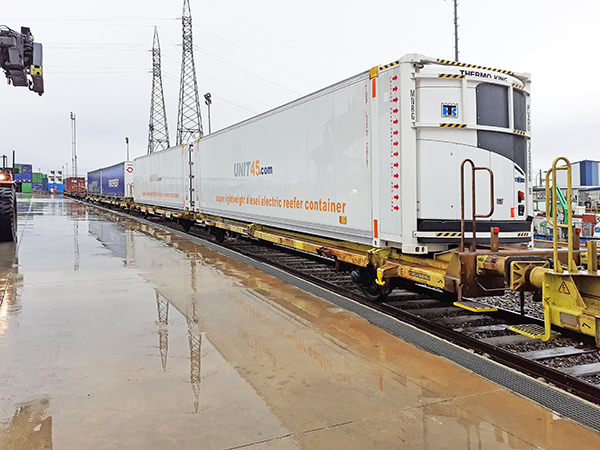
(74, 136)
(127, 142)
(208, 102)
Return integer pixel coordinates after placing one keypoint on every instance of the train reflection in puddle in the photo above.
(291, 347)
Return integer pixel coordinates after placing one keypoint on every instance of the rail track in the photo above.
(570, 362)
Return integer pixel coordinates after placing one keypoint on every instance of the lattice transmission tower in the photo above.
(158, 131)
(195, 341)
(189, 122)
(162, 305)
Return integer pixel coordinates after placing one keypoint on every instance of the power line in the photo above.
(275, 38)
(257, 56)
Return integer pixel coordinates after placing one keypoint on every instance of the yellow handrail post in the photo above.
(551, 187)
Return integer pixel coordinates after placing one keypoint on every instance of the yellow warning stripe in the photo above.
(449, 75)
(475, 306)
(454, 63)
(518, 86)
(522, 234)
(395, 63)
(534, 331)
(447, 234)
(453, 125)
(519, 132)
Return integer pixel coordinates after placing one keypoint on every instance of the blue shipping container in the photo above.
(23, 177)
(37, 187)
(27, 168)
(94, 182)
(53, 187)
(588, 173)
(113, 181)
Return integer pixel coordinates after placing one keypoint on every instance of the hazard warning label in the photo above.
(563, 289)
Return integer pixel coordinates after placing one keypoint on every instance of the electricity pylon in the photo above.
(162, 305)
(195, 341)
(189, 122)
(158, 131)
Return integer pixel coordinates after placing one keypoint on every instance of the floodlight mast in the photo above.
(74, 144)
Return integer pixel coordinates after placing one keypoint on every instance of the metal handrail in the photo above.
(462, 202)
(551, 187)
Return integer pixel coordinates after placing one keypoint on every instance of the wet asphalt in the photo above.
(118, 335)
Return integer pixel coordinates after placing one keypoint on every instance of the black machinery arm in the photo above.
(21, 58)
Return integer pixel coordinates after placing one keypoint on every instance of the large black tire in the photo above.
(8, 214)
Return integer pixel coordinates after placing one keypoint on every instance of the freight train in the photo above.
(390, 173)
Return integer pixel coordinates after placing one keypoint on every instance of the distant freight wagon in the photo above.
(75, 185)
(113, 181)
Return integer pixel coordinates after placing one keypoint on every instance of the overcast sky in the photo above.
(256, 55)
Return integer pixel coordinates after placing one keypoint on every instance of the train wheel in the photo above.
(376, 293)
(365, 278)
(220, 235)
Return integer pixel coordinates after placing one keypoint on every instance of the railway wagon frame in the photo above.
(370, 172)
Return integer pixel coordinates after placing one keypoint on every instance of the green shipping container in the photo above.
(19, 167)
(36, 178)
(26, 187)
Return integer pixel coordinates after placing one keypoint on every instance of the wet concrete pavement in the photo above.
(118, 335)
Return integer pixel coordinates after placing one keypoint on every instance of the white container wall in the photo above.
(304, 168)
(159, 178)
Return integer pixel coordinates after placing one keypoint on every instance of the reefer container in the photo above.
(113, 181)
(374, 159)
(162, 178)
